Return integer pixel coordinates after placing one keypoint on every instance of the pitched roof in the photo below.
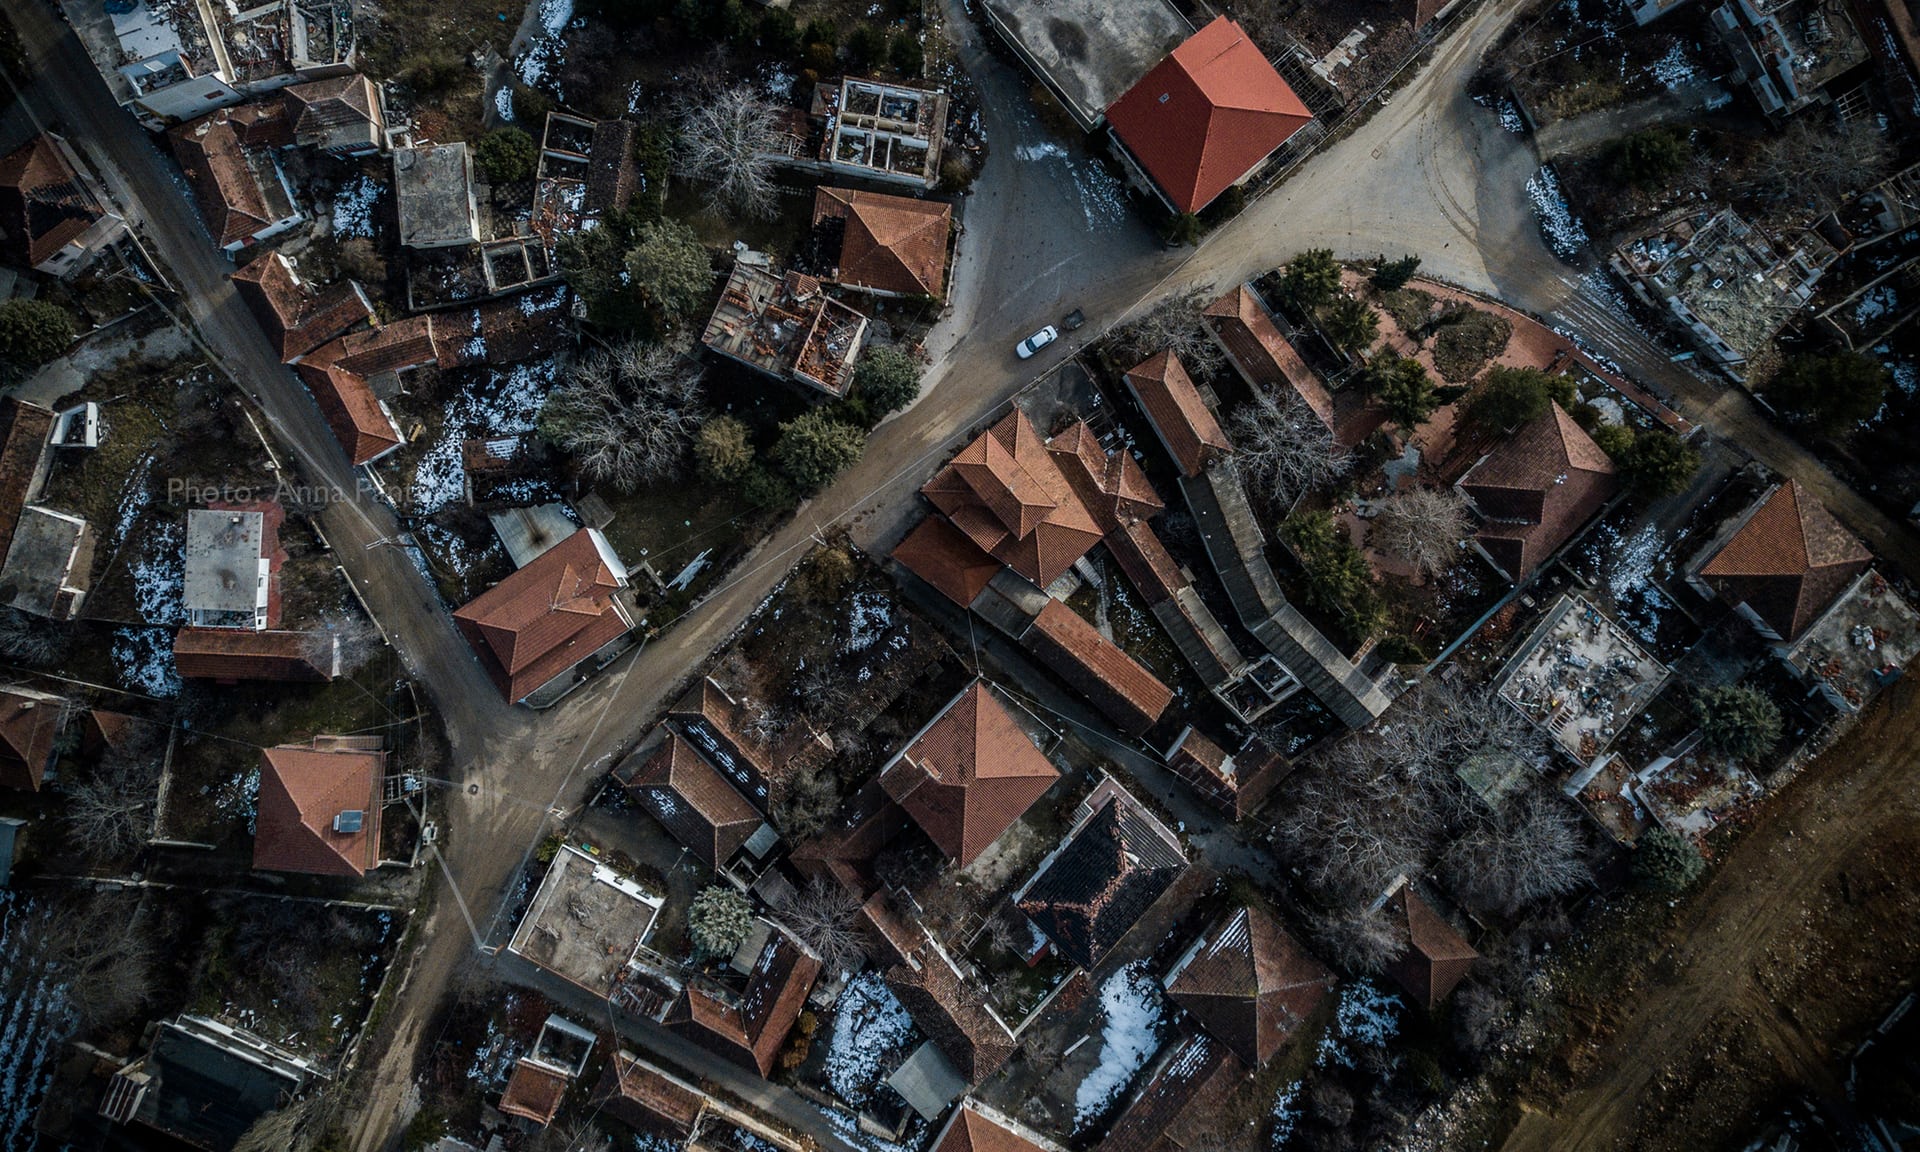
(234, 199)
(1120, 686)
(228, 655)
(362, 424)
(1186, 426)
(1206, 115)
(43, 205)
(643, 1097)
(891, 243)
(1788, 561)
(534, 1092)
(693, 802)
(611, 172)
(1179, 1108)
(710, 720)
(400, 346)
(1250, 984)
(971, 1130)
(1109, 484)
(1007, 494)
(969, 774)
(340, 109)
(1098, 884)
(947, 560)
(298, 318)
(303, 788)
(29, 725)
(546, 617)
(1437, 958)
(751, 1030)
(1536, 489)
(23, 445)
(1261, 353)
(861, 827)
(952, 1013)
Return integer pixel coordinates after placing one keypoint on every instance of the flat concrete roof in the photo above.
(1089, 51)
(585, 922)
(527, 533)
(433, 189)
(223, 561)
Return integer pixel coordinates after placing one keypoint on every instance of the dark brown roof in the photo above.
(43, 205)
(1250, 984)
(106, 731)
(1262, 355)
(1788, 561)
(892, 243)
(1117, 684)
(971, 1130)
(27, 426)
(642, 1097)
(359, 421)
(1536, 489)
(534, 1092)
(611, 173)
(1234, 785)
(947, 560)
(29, 725)
(297, 318)
(710, 720)
(1005, 492)
(969, 774)
(693, 802)
(751, 1030)
(1109, 484)
(1173, 405)
(319, 109)
(229, 655)
(400, 346)
(302, 789)
(948, 1009)
(545, 618)
(859, 830)
(1103, 879)
(233, 199)
(1180, 1106)
(1437, 958)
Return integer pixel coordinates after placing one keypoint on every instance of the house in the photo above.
(1180, 1105)
(360, 420)
(1580, 677)
(49, 565)
(711, 720)
(540, 1079)
(1436, 957)
(887, 245)
(971, 1040)
(976, 1127)
(1206, 117)
(786, 326)
(298, 317)
(844, 852)
(340, 116)
(1006, 493)
(1115, 863)
(433, 189)
(1245, 328)
(1120, 686)
(30, 724)
(53, 218)
(1787, 52)
(1088, 51)
(24, 461)
(946, 560)
(647, 1098)
(1249, 983)
(1185, 425)
(586, 924)
(968, 774)
(1232, 785)
(1535, 490)
(319, 808)
(694, 803)
(586, 170)
(232, 557)
(877, 130)
(536, 631)
(243, 193)
(1782, 562)
(1110, 485)
(204, 1083)
(751, 1028)
(230, 655)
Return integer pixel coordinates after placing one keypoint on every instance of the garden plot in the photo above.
(1582, 56)
(33, 1014)
(482, 402)
(870, 1035)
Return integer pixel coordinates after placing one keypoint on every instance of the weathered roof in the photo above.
(1112, 868)
(433, 189)
(861, 827)
(643, 1097)
(362, 424)
(48, 566)
(30, 722)
(1120, 686)
(1173, 405)
(611, 173)
(952, 1013)
(969, 774)
(751, 1030)
(1261, 353)
(1788, 561)
(534, 1092)
(303, 789)
(970, 1129)
(297, 317)
(228, 655)
(710, 720)
(1250, 984)
(22, 446)
(1109, 484)
(334, 111)
(1437, 957)
(547, 617)
(1536, 489)
(947, 560)
(235, 200)
(43, 205)
(693, 802)
(892, 243)
(1007, 494)
(1206, 115)
(1180, 1106)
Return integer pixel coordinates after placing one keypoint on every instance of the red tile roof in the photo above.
(302, 789)
(970, 1130)
(1437, 958)
(862, 827)
(947, 560)
(1250, 984)
(534, 1092)
(1536, 489)
(297, 318)
(1109, 484)
(320, 110)
(1185, 424)
(1262, 354)
(362, 424)
(23, 447)
(229, 655)
(642, 1097)
(1206, 115)
(1116, 683)
(400, 346)
(693, 802)
(751, 1030)
(946, 1006)
(547, 617)
(1179, 1108)
(29, 724)
(1007, 494)
(892, 243)
(1788, 562)
(43, 205)
(232, 199)
(710, 720)
(969, 774)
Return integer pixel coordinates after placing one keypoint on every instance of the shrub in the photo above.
(1829, 393)
(32, 332)
(1311, 279)
(670, 267)
(814, 447)
(723, 449)
(905, 55)
(822, 31)
(1403, 387)
(1338, 580)
(717, 921)
(1666, 863)
(1613, 439)
(1657, 463)
(506, 154)
(886, 381)
(865, 46)
(779, 33)
(1465, 339)
(1350, 324)
(1649, 159)
(1513, 396)
(1392, 275)
(1181, 230)
(1737, 720)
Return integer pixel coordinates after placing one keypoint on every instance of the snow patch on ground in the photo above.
(1130, 1001)
(34, 1020)
(869, 615)
(1564, 233)
(1366, 1017)
(143, 660)
(353, 206)
(869, 1025)
(1676, 69)
(1630, 564)
(505, 403)
(503, 102)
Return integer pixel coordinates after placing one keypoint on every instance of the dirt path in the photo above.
(1580, 133)
(1770, 972)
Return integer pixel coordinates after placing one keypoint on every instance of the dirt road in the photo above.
(1779, 964)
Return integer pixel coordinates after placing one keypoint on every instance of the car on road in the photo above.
(1037, 341)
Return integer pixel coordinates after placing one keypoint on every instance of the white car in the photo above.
(1037, 341)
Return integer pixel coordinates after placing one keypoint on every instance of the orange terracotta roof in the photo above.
(321, 109)
(1788, 562)
(892, 243)
(400, 346)
(1006, 493)
(229, 655)
(1261, 354)
(751, 1029)
(693, 802)
(29, 724)
(362, 424)
(43, 205)
(22, 445)
(546, 617)
(1437, 957)
(297, 318)
(232, 198)
(1250, 984)
(1116, 683)
(710, 720)
(302, 790)
(969, 774)
(947, 560)
(970, 1130)
(534, 1092)
(1185, 424)
(1206, 115)
(1110, 484)
(642, 1097)
(1536, 489)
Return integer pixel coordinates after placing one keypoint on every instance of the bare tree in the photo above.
(731, 140)
(1283, 448)
(1174, 324)
(98, 948)
(1530, 851)
(29, 639)
(1364, 941)
(298, 1127)
(109, 810)
(826, 916)
(1817, 167)
(1422, 527)
(628, 416)
(1350, 832)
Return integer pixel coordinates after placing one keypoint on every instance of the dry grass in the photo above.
(1465, 342)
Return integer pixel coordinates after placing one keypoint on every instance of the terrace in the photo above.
(786, 326)
(1580, 678)
(1859, 645)
(586, 923)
